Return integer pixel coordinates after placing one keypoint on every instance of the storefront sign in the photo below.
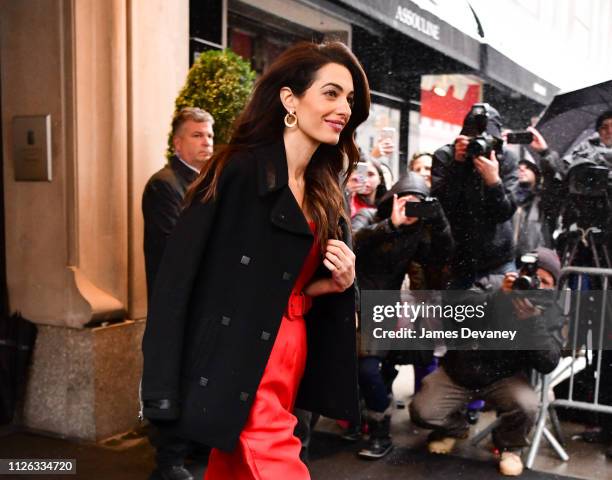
(413, 20)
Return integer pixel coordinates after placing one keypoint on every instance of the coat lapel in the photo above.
(273, 177)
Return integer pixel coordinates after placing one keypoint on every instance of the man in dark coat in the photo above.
(222, 287)
(478, 198)
(162, 202)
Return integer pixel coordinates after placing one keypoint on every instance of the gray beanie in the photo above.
(549, 260)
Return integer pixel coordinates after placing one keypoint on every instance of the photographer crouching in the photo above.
(497, 377)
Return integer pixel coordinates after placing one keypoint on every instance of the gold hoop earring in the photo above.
(290, 120)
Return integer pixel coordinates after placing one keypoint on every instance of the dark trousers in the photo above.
(376, 376)
(440, 404)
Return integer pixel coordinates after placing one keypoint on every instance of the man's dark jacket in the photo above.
(221, 290)
(480, 216)
(384, 252)
(162, 202)
(474, 365)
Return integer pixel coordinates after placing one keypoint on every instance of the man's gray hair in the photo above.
(190, 113)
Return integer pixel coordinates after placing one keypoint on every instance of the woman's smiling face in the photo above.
(325, 107)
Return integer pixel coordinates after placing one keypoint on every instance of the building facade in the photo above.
(97, 80)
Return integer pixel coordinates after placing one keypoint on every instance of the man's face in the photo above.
(194, 143)
(547, 281)
(605, 132)
(526, 176)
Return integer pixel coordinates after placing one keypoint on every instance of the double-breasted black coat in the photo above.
(220, 293)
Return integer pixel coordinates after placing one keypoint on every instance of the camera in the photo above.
(483, 145)
(589, 198)
(588, 179)
(528, 278)
(483, 124)
(427, 208)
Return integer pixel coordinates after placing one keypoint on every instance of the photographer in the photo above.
(587, 175)
(475, 180)
(497, 377)
(598, 147)
(386, 241)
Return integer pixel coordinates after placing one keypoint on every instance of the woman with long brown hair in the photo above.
(258, 272)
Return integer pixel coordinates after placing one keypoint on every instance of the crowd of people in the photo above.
(256, 254)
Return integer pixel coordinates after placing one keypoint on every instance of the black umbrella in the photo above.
(571, 116)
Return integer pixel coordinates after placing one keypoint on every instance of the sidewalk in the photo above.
(131, 457)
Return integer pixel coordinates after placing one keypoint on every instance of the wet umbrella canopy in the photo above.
(570, 118)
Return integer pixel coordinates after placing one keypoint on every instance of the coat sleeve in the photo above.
(162, 344)
(447, 179)
(499, 199)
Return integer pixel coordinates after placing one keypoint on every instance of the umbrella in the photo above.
(571, 116)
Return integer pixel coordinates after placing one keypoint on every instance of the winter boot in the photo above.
(379, 443)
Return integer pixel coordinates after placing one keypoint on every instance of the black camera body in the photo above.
(483, 145)
(427, 208)
(483, 125)
(589, 187)
(528, 274)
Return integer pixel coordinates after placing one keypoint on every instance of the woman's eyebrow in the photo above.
(336, 86)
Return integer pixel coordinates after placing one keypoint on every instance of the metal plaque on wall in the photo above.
(32, 148)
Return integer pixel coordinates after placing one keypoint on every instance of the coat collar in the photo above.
(183, 170)
(273, 176)
(272, 172)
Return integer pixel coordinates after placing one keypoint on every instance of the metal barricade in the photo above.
(568, 369)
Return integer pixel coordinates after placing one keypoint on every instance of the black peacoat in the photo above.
(220, 293)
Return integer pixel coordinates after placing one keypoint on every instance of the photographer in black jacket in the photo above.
(475, 180)
(386, 242)
(497, 376)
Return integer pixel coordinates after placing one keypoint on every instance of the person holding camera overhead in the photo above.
(253, 308)
(475, 180)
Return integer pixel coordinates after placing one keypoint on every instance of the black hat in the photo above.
(481, 118)
(409, 183)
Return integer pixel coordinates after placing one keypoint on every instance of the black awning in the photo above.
(501, 69)
(423, 26)
(406, 17)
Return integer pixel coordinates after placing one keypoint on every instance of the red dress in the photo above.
(267, 448)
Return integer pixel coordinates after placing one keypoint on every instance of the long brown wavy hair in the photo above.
(261, 123)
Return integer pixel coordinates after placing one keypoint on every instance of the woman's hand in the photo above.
(340, 260)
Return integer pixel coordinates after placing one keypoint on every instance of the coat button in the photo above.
(244, 396)
(245, 260)
(203, 381)
(282, 217)
(265, 335)
(204, 410)
(225, 321)
(287, 276)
